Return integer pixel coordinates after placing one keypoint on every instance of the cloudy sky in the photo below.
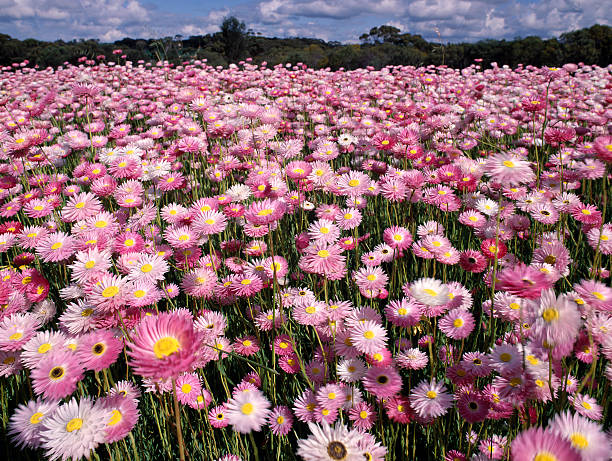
(341, 20)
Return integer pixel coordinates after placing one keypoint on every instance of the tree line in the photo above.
(380, 47)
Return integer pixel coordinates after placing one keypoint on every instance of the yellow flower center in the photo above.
(579, 440)
(368, 334)
(505, 357)
(56, 246)
(186, 388)
(247, 408)
(36, 417)
(43, 348)
(431, 394)
(146, 268)
(166, 346)
(74, 424)
(116, 417)
(550, 314)
(458, 323)
(111, 291)
(545, 456)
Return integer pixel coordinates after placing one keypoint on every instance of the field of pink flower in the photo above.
(293, 264)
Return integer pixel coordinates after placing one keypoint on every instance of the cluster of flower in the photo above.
(351, 233)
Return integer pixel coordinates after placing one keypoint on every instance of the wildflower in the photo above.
(164, 346)
(368, 337)
(247, 411)
(457, 324)
(98, 350)
(25, 423)
(57, 374)
(330, 443)
(382, 382)
(509, 170)
(74, 429)
(122, 415)
(280, 420)
(430, 292)
(537, 443)
(430, 400)
(587, 406)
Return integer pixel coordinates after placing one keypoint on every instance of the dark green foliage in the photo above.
(381, 46)
(233, 35)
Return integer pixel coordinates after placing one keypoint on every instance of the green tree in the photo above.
(234, 37)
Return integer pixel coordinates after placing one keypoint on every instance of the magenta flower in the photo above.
(163, 346)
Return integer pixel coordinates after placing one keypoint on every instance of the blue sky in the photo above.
(341, 20)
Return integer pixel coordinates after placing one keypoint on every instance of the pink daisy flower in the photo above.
(412, 359)
(382, 382)
(217, 417)
(163, 346)
(509, 170)
(363, 416)
(280, 420)
(587, 406)
(522, 280)
(98, 350)
(555, 320)
(25, 423)
(16, 330)
(404, 312)
(586, 437)
(330, 396)
(209, 222)
(122, 416)
(246, 346)
(37, 208)
(457, 323)
(537, 443)
(595, 294)
(473, 406)
(188, 387)
(30, 236)
(57, 374)
(248, 411)
(108, 293)
(430, 400)
(81, 206)
(370, 278)
(397, 237)
(56, 247)
(368, 337)
(200, 283)
(323, 231)
(326, 260)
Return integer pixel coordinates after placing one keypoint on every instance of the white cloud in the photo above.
(343, 20)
